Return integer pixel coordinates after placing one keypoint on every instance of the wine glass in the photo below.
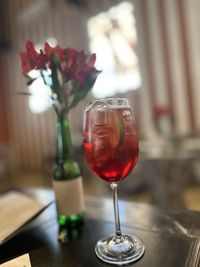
(111, 150)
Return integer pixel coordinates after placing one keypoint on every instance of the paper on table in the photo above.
(15, 210)
(22, 261)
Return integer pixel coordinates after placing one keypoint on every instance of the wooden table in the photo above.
(171, 238)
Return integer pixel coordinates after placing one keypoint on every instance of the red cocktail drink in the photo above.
(110, 142)
(111, 149)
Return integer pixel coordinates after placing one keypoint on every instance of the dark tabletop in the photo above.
(171, 238)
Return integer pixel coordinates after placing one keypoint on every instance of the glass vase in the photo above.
(67, 183)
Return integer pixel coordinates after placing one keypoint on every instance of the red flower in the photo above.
(92, 70)
(71, 54)
(57, 50)
(32, 59)
(91, 61)
(78, 69)
(161, 110)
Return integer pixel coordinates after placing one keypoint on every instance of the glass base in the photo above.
(119, 250)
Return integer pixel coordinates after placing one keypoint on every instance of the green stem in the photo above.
(42, 75)
(55, 82)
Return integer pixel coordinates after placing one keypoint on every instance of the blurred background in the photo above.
(148, 51)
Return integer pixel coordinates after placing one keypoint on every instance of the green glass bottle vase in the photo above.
(67, 180)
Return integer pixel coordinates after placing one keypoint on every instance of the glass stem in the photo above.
(116, 209)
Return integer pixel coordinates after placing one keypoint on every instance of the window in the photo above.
(113, 38)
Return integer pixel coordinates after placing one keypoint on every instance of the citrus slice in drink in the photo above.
(116, 123)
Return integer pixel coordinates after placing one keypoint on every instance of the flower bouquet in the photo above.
(69, 75)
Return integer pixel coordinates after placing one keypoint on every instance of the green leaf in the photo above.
(56, 88)
(74, 89)
(81, 93)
